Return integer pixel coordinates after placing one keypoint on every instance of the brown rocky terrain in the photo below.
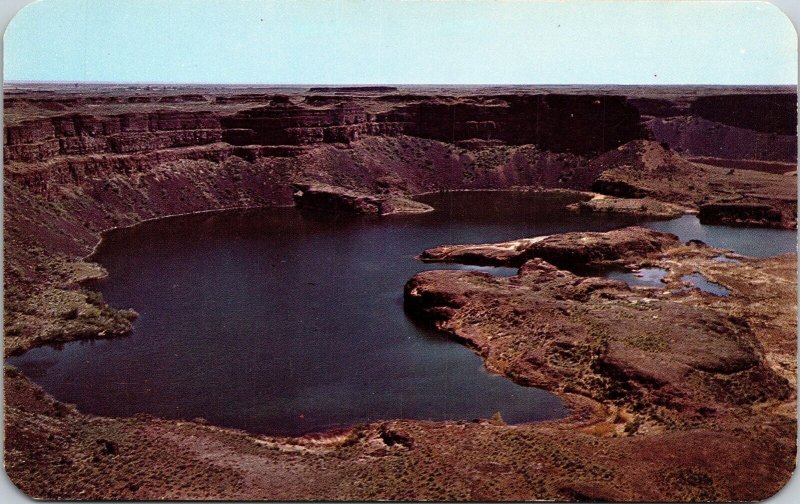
(672, 358)
(649, 207)
(695, 397)
(643, 169)
(653, 417)
(89, 457)
(554, 328)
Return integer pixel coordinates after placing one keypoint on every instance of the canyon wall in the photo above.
(735, 127)
(579, 124)
(82, 134)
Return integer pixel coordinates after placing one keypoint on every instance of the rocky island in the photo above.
(674, 393)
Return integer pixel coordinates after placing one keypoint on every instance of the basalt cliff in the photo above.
(653, 417)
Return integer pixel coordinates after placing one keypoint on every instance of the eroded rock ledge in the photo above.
(565, 250)
(81, 162)
(639, 207)
(318, 196)
(737, 214)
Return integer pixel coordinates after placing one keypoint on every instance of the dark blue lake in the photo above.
(282, 322)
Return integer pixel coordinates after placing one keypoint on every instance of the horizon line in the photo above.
(350, 84)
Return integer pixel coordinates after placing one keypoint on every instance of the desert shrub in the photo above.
(94, 297)
(497, 418)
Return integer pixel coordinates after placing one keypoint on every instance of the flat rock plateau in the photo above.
(675, 394)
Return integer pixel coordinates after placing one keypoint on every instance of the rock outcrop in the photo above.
(595, 124)
(81, 134)
(767, 113)
(329, 198)
(572, 251)
(645, 169)
(693, 392)
(696, 136)
(642, 347)
(548, 327)
(738, 214)
(353, 89)
(639, 207)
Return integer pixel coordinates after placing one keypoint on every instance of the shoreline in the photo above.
(571, 401)
(588, 418)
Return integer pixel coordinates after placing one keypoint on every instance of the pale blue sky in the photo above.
(401, 42)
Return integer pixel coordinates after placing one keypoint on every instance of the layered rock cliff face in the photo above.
(560, 123)
(82, 134)
(127, 137)
(727, 128)
(774, 113)
(580, 124)
(699, 137)
(283, 123)
(67, 136)
(77, 163)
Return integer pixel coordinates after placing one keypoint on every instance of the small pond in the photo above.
(644, 277)
(705, 285)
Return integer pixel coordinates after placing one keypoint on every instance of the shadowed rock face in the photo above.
(770, 113)
(757, 214)
(559, 123)
(731, 126)
(353, 89)
(696, 136)
(335, 199)
(578, 124)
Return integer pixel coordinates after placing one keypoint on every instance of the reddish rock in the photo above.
(646, 169)
(548, 327)
(568, 250)
(78, 134)
(687, 401)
